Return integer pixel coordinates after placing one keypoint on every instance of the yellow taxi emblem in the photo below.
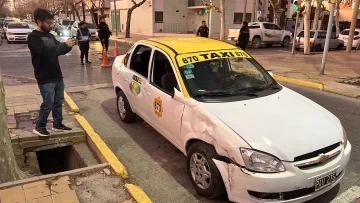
(158, 107)
(190, 58)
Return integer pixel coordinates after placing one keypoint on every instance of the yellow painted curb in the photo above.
(105, 151)
(299, 82)
(137, 193)
(71, 103)
(125, 41)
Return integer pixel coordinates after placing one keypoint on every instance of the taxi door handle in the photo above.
(127, 80)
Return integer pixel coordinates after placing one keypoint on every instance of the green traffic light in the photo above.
(295, 8)
(206, 10)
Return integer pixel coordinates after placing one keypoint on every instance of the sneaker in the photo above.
(82, 63)
(60, 128)
(88, 62)
(41, 132)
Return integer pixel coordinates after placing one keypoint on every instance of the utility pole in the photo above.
(295, 32)
(328, 35)
(115, 16)
(352, 27)
(244, 14)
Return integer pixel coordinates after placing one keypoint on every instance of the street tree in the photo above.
(277, 10)
(318, 12)
(95, 5)
(128, 18)
(2, 3)
(340, 4)
(74, 8)
(8, 166)
(306, 13)
(221, 11)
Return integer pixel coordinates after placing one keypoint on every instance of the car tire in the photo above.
(285, 42)
(269, 45)
(199, 162)
(297, 49)
(339, 47)
(317, 48)
(256, 42)
(9, 42)
(124, 109)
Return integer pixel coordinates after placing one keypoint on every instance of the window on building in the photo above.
(238, 18)
(159, 17)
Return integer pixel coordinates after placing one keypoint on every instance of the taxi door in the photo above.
(164, 112)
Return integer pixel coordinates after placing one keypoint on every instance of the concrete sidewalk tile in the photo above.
(33, 201)
(59, 188)
(47, 199)
(14, 194)
(37, 192)
(62, 180)
(66, 197)
(34, 184)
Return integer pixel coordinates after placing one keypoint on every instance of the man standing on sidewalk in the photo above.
(45, 50)
(104, 32)
(203, 30)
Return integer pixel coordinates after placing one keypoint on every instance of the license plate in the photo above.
(325, 180)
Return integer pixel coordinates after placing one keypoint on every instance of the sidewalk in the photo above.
(340, 67)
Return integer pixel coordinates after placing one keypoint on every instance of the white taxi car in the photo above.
(17, 31)
(242, 132)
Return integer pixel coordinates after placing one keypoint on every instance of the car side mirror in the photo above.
(177, 95)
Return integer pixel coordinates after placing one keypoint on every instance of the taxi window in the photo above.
(162, 74)
(140, 60)
(18, 26)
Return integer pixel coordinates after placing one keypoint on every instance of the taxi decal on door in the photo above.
(158, 107)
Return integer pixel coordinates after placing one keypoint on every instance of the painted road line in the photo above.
(71, 103)
(137, 193)
(104, 151)
(349, 196)
(303, 83)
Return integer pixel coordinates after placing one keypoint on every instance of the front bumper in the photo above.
(13, 38)
(293, 185)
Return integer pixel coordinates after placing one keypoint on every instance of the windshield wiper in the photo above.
(213, 93)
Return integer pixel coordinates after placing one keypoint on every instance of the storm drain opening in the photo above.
(59, 159)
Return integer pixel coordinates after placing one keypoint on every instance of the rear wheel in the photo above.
(124, 109)
(317, 48)
(203, 172)
(297, 49)
(256, 42)
(286, 42)
(339, 46)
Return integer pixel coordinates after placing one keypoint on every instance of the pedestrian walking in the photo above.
(83, 35)
(203, 30)
(45, 49)
(244, 36)
(104, 32)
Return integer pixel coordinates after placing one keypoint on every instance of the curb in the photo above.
(314, 85)
(124, 41)
(105, 155)
(73, 107)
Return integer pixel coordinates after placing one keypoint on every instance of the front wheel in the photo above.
(256, 42)
(124, 109)
(339, 46)
(203, 172)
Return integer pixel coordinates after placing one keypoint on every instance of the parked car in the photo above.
(242, 132)
(344, 35)
(92, 28)
(17, 31)
(264, 33)
(317, 41)
(63, 27)
(6, 22)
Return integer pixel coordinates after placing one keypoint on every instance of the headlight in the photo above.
(65, 32)
(97, 33)
(9, 33)
(344, 137)
(261, 162)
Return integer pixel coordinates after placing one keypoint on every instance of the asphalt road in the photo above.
(158, 167)
(154, 163)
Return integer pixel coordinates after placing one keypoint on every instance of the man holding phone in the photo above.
(45, 50)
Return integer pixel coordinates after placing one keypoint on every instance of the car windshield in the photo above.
(346, 32)
(18, 26)
(301, 34)
(67, 22)
(226, 76)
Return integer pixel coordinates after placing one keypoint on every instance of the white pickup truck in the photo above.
(264, 32)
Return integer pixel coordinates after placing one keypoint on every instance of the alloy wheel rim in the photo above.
(200, 171)
(121, 105)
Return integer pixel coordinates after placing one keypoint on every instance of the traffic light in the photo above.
(297, 5)
(206, 10)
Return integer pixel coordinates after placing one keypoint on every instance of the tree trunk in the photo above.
(128, 21)
(317, 15)
(244, 12)
(307, 27)
(78, 15)
(8, 166)
(222, 19)
(337, 18)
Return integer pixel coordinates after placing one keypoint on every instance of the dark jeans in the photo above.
(243, 43)
(53, 97)
(105, 43)
(84, 49)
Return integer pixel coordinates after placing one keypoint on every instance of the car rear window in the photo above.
(17, 26)
(301, 34)
(346, 32)
(254, 27)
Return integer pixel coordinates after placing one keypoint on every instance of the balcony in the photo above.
(195, 4)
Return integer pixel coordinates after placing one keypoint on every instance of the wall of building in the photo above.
(175, 16)
(215, 18)
(142, 18)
